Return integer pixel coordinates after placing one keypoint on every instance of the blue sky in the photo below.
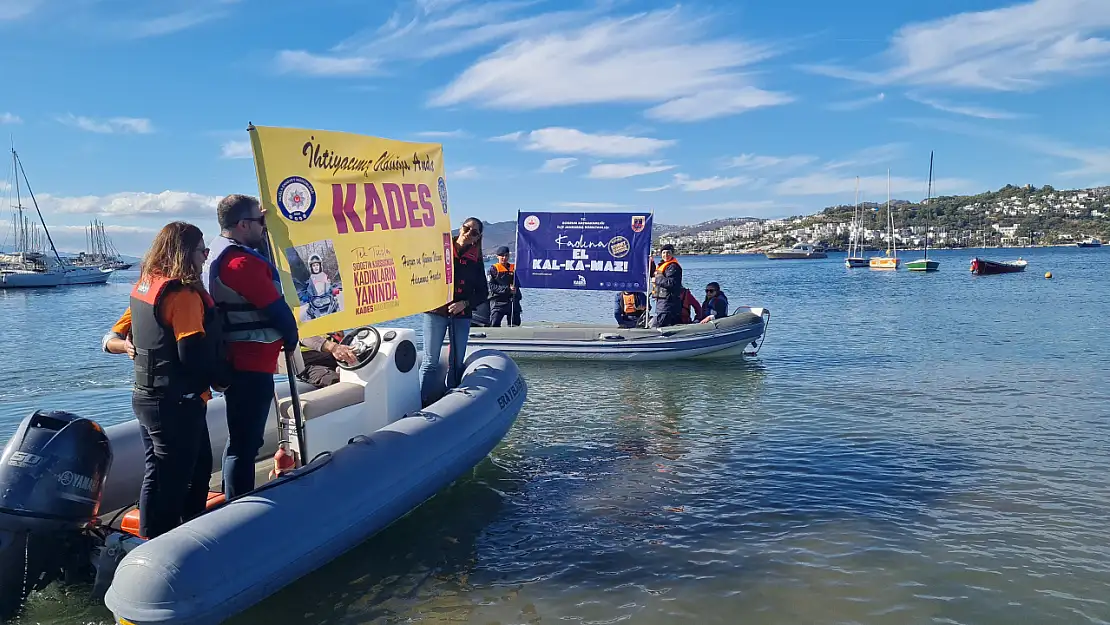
(135, 112)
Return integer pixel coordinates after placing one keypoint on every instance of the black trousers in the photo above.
(502, 310)
(178, 460)
(248, 398)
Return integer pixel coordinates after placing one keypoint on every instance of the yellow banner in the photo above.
(359, 225)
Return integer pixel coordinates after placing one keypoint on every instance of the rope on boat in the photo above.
(766, 324)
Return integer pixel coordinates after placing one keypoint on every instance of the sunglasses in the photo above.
(260, 220)
(711, 290)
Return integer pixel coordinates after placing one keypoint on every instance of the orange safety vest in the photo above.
(503, 269)
(659, 271)
(630, 306)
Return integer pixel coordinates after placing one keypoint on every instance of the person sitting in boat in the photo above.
(453, 318)
(691, 307)
(321, 356)
(668, 289)
(504, 296)
(631, 306)
(715, 305)
(172, 332)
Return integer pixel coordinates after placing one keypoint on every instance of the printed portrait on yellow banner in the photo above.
(360, 225)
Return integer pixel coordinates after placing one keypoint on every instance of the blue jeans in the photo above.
(248, 400)
(435, 329)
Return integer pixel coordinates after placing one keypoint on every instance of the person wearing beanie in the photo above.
(504, 296)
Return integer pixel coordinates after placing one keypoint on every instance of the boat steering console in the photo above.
(365, 342)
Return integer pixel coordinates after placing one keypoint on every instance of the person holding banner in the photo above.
(668, 289)
(258, 324)
(453, 318)
(504, 294)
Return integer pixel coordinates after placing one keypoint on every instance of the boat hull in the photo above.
(87, 275)
(30, 279)
(1084, 244)
(576, 341)
(853, 263)
(983, 267)
(241, 552)
(883, 263)
(923, 264)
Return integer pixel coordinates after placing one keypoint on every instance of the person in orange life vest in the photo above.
(258, 325)
(668, 289)
(715, 305)
(631, 306)
(691, 307)
(504, 296)
(171, 331)
(470, 290)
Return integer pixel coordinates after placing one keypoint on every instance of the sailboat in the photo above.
(890, 261)
(855, 242)
(926, 263)
(29, 265)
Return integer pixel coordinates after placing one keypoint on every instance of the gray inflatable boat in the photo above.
(375, 455)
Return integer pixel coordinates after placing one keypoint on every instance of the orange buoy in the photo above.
(1048, 275)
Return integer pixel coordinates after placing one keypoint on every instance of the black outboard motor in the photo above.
(51, 479)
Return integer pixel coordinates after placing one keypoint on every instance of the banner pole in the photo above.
(647, 285)
(290, 435)
(512, 281)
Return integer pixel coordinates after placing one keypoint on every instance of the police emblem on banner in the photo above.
(638, 223)
(296, 198)
(443, 194)
(531, 222)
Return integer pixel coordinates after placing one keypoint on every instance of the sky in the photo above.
(135, 113)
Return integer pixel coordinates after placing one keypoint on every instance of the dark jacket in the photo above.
(668, 288)
(629, 320)
(500, 279)
(470, 281)
(716, 306)
(480, 316)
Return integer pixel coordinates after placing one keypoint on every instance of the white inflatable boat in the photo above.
(727, 337)
(68, 487)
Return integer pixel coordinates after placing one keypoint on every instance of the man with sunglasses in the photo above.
(257, 325)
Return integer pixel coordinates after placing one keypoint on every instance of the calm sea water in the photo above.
(906, 448)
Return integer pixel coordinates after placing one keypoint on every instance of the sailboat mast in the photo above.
(21, 233)
(929, 201)
(37, 210)
(892, 245)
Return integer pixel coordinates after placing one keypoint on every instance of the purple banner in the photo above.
(585, 251)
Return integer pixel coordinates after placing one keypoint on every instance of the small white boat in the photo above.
(68, 486)
(721, 338)
(798, 250)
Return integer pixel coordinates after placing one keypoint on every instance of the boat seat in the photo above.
(324, 400)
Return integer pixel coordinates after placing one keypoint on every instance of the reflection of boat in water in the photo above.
(984, 267)
(798, 250)
(585, 341)
(375, 456)
(29, 265)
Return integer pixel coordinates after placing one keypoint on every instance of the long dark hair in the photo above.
(171, 253)
(473, 223)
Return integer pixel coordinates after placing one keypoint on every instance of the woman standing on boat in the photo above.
(174, 332)
(453, 319)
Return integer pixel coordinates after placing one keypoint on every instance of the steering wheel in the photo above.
(365, 342)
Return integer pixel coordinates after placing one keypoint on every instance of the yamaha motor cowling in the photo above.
(51, 478)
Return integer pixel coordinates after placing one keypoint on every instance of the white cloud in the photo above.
(855, 105)
(16, 9)
(589, 205)
(716, 103)
(134, 125)
(10, 118)
(443, 134)
(1017, 48)
(755, 161)
(626, 170)
(465, 173)
(761, 206)
(236, 149)
(169, 24)
(173, 204)
(964, 109)
(4, 185)
(306, 63)
(876, 155)
(659, 58)
(558, 165)
(684, 182)
(131, 240)
(571, 141)
(508, 138)
(825, 183)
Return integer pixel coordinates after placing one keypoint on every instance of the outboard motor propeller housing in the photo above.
(51, 479)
